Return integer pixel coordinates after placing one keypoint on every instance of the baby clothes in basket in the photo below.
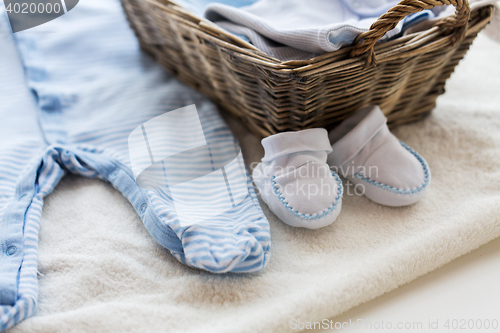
(297, 29)
(198, 6)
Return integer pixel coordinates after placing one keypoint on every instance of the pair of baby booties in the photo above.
(298, 178)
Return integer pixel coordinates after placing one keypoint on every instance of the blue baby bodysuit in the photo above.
(72, 92)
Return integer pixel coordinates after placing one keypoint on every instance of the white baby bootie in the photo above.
(367, 153)
(295, 181)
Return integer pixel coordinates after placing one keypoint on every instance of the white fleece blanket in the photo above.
(101, 271)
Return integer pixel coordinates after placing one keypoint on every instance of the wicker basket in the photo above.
(404, 78)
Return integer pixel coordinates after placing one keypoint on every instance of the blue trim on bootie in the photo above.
(340, 192)
(397, 190)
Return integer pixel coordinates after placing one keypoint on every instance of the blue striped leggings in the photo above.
(70, 95)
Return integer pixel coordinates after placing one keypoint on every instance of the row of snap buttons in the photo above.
(11, 250)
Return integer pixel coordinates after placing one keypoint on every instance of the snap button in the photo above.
(11, 250)
(143, 208)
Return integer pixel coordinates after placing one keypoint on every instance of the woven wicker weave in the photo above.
(403, 76)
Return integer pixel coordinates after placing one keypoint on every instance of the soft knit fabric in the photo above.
(85, 87)
(300, 29)
(447, 11)
(294, 180)
(197, 7)
(369, 155)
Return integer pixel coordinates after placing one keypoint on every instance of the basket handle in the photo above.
(365, 42)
